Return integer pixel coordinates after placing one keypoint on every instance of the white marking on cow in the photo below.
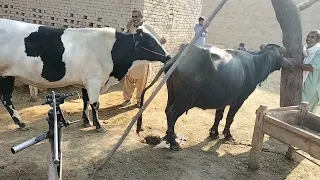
(15, 113)
(112, 81)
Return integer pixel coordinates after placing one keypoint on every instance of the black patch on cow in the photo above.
(46, 43)
(122, 54)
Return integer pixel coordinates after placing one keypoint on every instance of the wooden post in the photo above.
(304, 108)
(257, 138)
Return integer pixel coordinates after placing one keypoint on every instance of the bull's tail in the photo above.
(165, 69)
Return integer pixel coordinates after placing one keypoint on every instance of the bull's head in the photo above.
(147, 47)
(278, 52)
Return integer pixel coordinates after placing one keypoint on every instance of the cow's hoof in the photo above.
(87, 125)
(24, 128)
(228, 137)
(214, 135)
(101, 129)
(175, 147)
(33, 99)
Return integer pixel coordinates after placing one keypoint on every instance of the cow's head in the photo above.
(277, 53)
(147, 47)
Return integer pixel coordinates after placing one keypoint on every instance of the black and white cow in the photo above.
(91, 58)
(6, 89)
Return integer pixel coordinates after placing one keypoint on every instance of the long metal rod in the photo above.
(29, 143)
(175, 64)
(55, 130)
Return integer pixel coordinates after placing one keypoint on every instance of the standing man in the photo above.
(137, 76)
(202, 39)
(311, 70)
(241, 47)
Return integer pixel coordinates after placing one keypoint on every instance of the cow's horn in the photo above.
(282, 50)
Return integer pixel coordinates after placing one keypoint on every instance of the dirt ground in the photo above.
(201, 158)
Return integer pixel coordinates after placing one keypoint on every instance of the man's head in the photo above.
(313, 38)
(201, 20)
(137, 17)
(241, 46)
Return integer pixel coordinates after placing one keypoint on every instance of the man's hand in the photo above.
(163, 40)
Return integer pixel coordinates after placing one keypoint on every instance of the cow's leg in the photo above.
(33, 93)
(93, 93)
(230, 117)
(173, 112)
(214, 133)
(7, 102)
(85, 112)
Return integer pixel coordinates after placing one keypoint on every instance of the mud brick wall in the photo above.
(173, 20)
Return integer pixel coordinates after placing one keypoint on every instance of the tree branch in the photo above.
(307, 4)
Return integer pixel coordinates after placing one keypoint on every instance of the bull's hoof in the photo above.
(228, 137)
(175, 147)
(214, 135)
(101, 129)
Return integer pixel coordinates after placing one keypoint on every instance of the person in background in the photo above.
(311, 70)
(137, 77)
(202, 39)
(241, 47)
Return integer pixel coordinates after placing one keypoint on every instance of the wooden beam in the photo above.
(257, 138)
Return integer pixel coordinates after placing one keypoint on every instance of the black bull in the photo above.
(214, 79)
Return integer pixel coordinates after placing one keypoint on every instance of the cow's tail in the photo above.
(165, 69)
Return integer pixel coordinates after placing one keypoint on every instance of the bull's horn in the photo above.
(263, 47)
(282, 50)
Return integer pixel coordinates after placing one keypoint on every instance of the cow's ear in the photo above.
(139, 32)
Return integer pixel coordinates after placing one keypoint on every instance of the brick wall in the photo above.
(174, 20)
(252, 22)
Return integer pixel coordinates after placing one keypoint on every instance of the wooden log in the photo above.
(257, 138)
(289, 134)
(287, 108)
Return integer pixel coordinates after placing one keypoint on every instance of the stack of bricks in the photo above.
(173, 20)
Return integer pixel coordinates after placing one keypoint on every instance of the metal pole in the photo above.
(55, 130)
(175, 64)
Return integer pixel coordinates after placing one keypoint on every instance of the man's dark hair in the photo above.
(241, 44)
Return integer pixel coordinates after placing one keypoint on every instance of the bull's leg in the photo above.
(94, 87)
(7, 102)
(214, 133)
(85, 113)
(230, 117)
(173, 113)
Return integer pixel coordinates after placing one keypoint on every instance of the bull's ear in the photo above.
(139, 32)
